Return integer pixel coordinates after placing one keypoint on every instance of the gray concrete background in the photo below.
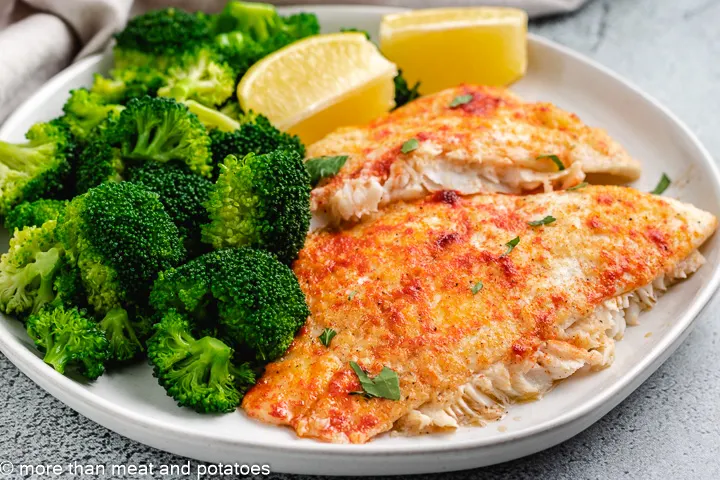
(669, 428)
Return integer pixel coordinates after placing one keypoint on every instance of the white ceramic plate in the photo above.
(131, 403)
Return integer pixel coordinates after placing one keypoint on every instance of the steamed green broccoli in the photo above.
(99, 162)
(255, 135)
(34, 214)
(197, 373)
(404, 93)
(182, 193)
(68, 285)
(69, 339)
(259, 20)
(248, 31)
(37, 168)
(161, 130)
(149, 129)
(29, 269)
(127, 83)
(201, 75)
(159, 38)
(260, 201)
(239, 50)
(85, 111)
(120, 237)
(243, 296)
(262, 23)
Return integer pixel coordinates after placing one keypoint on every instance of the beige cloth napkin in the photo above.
(38, 38)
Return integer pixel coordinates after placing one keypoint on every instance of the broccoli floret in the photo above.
(200, 75)
(85, 111)
(182, 193)
(126, 331)
(33, 214)
(248, 31)
(404, 93)
(120, 237)
(255, 135)
(98, 163)
(68, 286)
(159, 37)
(301, 25)
(161, 130)
(149, 129)
(262, 22)
(69, 339)
(37, 168)
(260, 201)
(29, 269)
(239, 50)
(254, 301)
(128, 83)
(197, 373)
(259, 20)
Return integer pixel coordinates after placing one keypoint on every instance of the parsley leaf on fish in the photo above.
(545, 221)
(410, 145)
(510, 246)
(326, 336)
(460, 100)
(385, 385)
(323, 167)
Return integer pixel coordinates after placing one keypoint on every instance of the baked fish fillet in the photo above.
(489, 144)
(398, 290)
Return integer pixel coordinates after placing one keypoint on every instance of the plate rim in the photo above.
(76, 397)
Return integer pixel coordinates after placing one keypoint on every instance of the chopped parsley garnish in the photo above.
(410, 145)
(385, 385)
(662, 185)
(352, 294)
(545, 221)
(404, 93)
(323, 167)
(326, 336)
(476, 288)
(555, 159)
(510, 246)
(578, 186)
(460, 100)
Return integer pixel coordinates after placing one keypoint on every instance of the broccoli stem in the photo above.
(212, 118)
(210, 362)
(157, 141)
(124, 344)
(45, 266)
(57, 353)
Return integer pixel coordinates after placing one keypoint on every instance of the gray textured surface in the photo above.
(668, 428)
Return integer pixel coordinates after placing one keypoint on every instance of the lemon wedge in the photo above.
(445, 47)
(315, 85)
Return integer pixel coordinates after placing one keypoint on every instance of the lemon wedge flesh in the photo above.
(317, 84)
(445, 47)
